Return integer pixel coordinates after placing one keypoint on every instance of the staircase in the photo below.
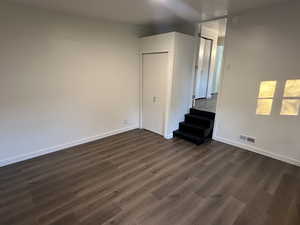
(197, 126)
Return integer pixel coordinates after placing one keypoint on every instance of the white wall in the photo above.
(182, 80)
(180, 48)
(63, 80)
(260, 45)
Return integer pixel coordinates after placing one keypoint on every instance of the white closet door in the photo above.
(155, 70)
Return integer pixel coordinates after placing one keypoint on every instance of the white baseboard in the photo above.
(258, 150)
(169, 136)
(45, 151)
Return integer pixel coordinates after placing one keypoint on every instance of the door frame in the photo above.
(199, 36)
(141, 91)
(210, 59)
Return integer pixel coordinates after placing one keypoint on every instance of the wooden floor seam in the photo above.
(140, 178)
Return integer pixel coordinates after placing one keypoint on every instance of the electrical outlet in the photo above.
(251, 139)
(247, 139)
(126, 122)
(244, 138)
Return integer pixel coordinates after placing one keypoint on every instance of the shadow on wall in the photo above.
(290, 101)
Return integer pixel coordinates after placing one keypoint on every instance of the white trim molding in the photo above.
(258, 150)
(45, 151)
(169, 136)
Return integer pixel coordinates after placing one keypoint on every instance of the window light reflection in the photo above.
(265, 97)
(292, 88)
(290, 107)
(264, 106)
(267, 89)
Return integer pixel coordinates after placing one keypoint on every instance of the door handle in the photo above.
(154, 99)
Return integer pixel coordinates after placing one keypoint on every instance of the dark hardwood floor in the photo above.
(138, 178)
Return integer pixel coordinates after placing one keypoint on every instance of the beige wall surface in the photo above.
(64, 80)
(261, 45)
(182, 80)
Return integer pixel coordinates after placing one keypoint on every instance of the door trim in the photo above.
(210, 59)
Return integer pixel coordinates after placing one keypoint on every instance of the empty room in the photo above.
(149, 112)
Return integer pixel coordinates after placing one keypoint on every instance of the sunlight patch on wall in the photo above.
(264, 106)
(290, 101)
(267, 89)
(292, 88)
(290, 107)
(291, 98)
(265, 97)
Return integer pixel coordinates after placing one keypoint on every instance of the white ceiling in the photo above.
(217, 26)
(151, 11)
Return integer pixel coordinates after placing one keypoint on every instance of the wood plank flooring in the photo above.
(139, 178)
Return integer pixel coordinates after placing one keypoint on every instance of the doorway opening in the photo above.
(209, 64)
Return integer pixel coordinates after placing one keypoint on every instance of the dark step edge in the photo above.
(209, 123)
(189, 137)
(194, 126)
(210, 115)
(200, 131)
(199, 117)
